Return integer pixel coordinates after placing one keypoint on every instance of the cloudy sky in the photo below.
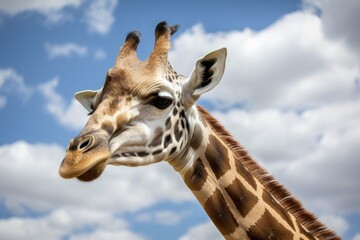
(290, 95)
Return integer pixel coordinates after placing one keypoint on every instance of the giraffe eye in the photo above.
(161, 102)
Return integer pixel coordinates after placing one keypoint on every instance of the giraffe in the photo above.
(146, 113)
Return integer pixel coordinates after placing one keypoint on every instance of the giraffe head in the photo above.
(142, 114)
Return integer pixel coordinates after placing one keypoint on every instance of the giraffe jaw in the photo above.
(85, 171)
(133, 156)
(135, 161)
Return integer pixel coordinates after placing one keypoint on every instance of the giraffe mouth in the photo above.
(93, 172)
(85, 171)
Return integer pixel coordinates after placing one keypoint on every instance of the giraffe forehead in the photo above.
(122, 81)
(138, 71)
(139, 83)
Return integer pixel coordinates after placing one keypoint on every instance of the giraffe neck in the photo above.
(221, 175)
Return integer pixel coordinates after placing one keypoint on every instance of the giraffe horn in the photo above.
(162, 43)
(129, 47)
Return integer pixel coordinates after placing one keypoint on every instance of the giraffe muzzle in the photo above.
(86, 157)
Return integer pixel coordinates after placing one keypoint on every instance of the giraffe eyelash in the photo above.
(90, 113)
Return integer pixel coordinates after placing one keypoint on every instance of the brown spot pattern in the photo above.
(242, 198)
(245, 174)
(177, 131)
(220, 214)
(108, 127)
(121, 120)
(157, 138)
(157, 152)
(183, 123)
(142, 154)
(168, 123)
(196, 138)
(196, 176)
(173, 150)
(269, 200)
(305, 233)
(113, 106)
(269, 228)
(167, 141)
(217, 156)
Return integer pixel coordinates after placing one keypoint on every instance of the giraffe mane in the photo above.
(278, 191)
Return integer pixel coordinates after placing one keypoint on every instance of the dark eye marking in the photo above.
(92, 111)
(161, 102)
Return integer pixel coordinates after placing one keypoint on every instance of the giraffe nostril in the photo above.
(85, 143)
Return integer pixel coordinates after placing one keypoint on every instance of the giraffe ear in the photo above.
(87, 98)
(208, 72)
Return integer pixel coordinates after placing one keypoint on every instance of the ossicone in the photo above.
(159, 55)
(129, 47)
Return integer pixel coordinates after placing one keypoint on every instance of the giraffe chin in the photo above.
(92, 173)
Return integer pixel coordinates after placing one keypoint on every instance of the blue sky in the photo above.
(290, 95)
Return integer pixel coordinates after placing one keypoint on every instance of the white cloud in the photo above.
(281, 66)
(357, 237)
(339, 19)
(12, 82)
(66, 222)
(65, 50)
(16, 177)
(338, 224)
(204, 231)
(99, 54)
(165, 217)
(29, 179)
(52, 10)
(108, 235)
(100, 15)
(73, 116)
